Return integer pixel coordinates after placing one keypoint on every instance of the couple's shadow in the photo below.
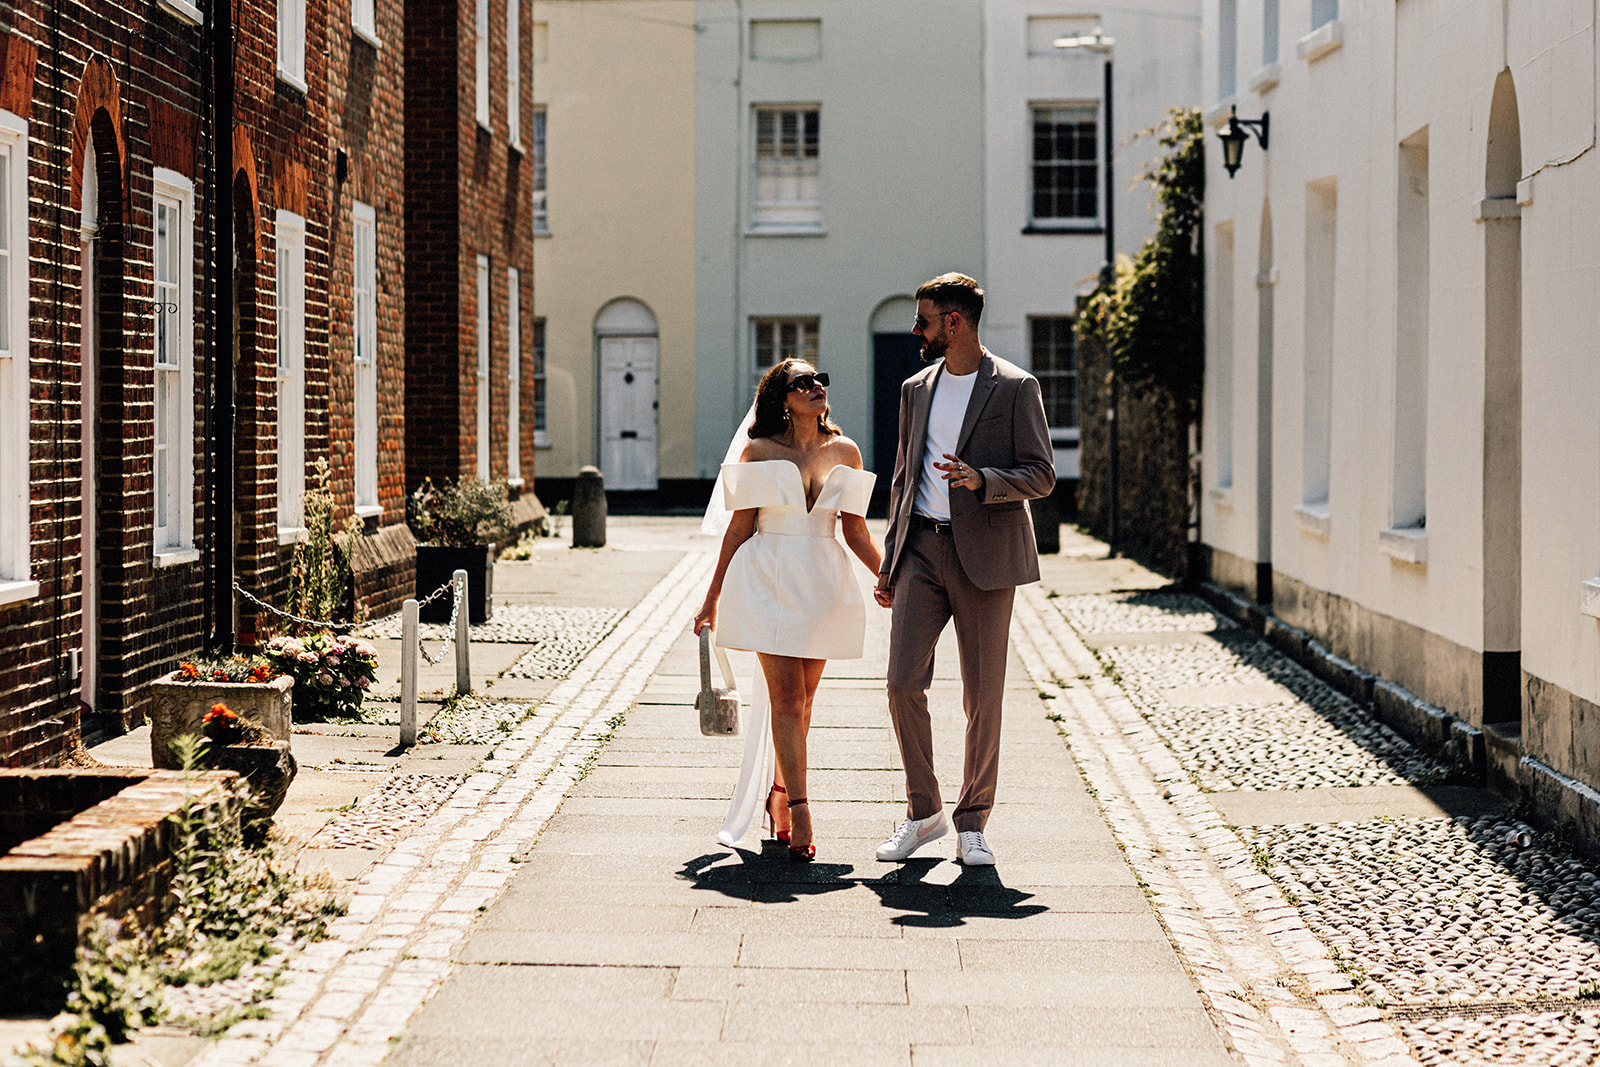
(914, 888)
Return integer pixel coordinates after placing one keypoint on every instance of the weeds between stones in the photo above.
(233, 908)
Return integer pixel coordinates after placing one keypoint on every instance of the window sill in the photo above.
(1266, 79)
(1086, 229)
(484, 127)
(14, 592)
(1218, 116)
(1325, 39)
(293, 82)
(182, 11)
(1314, 518)
(175, 557)
(1221, 496)
(1405, 544)
(541, 231)
(368, 35)
(292, 535)
(369, 511)
(785, 231)
(1589, 597)
(541, 441)
(1064, 437)
(515, 483)
(515, 146)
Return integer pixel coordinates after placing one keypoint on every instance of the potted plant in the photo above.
(459, 526)
(251, 685)
(331, 673)
(265, 764)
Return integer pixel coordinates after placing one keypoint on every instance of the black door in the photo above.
(895, 357)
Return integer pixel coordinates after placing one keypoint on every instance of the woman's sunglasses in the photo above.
(807, 382)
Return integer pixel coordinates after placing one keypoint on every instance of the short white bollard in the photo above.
(408, 673)
(463, 667)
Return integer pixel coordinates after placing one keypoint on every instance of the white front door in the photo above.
(628, 412)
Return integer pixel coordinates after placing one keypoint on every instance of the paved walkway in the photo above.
(629, 936)
(1206, 856)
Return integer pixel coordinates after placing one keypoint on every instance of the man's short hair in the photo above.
(954, 292)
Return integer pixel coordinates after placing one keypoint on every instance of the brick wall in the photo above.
(468, 194)
(114, 86)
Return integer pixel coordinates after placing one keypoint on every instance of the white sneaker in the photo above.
(912, 835)
(973, 850)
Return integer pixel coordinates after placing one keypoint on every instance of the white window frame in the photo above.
(786, 189)
(541, 172)
(1061, 434)
(786, 337)
(481, 80)
(364, 21)
(292, 43)
(1067, 222)
(514, 73)
(541, 409)
(172, 443)
(484, 340)
(15, 539)
(364, 354)
(513, 374)
(290, 236)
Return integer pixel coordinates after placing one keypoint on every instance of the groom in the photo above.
(974, 446)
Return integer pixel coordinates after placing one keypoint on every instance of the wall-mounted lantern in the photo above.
(1234, 137)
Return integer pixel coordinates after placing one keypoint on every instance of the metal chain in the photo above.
(258, 602)
(450, 627)
(450, 633)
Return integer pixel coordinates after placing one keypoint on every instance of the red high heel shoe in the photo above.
(771, 821)
(796, 853)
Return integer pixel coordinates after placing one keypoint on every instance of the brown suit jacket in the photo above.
(1006, 439)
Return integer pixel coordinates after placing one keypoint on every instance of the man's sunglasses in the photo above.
(807, 382)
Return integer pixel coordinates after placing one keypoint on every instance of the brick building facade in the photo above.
(470, 158)
(110, 564)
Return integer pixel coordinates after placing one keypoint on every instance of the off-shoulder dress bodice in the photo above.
(789, 590)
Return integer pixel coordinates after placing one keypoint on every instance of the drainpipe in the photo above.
(220, 334)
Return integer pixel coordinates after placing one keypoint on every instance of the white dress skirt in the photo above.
(788, 591)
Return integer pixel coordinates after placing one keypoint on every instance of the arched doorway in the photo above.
(1502, 410)
(628, 349)
(895, 357)
(1266, 281)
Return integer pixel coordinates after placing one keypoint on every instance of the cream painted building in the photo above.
(1400, 457)
(612, 177)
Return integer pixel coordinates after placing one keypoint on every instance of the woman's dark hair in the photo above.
(772, 409)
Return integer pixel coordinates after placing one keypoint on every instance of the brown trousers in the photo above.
(930, 588)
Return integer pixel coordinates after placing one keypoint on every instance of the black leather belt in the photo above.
(922, 522)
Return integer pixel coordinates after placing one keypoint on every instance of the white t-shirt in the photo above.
(945, 415)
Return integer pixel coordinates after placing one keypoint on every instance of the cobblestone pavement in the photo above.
(1451, 940)
(344, 1001)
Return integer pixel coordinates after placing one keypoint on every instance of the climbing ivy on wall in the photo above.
(1152, 321)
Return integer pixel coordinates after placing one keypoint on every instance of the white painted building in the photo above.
(1044, 182)
(809, 164)
(1402, 343)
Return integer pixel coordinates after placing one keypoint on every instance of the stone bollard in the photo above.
(589, 509)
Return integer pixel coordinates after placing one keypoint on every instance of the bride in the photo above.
(784, 583)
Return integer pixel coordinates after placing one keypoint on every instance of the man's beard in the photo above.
(933, 351)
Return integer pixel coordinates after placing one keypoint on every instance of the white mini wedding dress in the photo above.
(788, 591)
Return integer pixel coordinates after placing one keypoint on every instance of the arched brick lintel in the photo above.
(97, 91)
(246, 188)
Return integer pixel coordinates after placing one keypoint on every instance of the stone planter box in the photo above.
(178, 708)
(82, 844)
(267, 768)
(435, 565)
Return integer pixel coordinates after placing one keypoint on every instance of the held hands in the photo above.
(884, 593)
(958, 473)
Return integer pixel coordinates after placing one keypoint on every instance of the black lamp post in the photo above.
(1234, 137)
(1102, 45)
